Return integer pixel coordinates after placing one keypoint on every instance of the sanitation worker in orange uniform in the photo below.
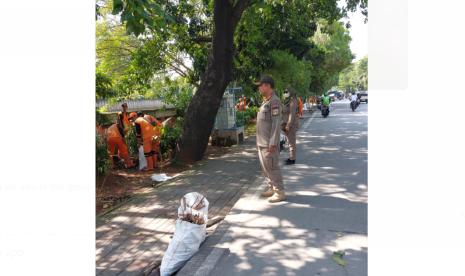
(157, 125)
(116, 144)
(123, 118)
(146, 136)
(301, 107)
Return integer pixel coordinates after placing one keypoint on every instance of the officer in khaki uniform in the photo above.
(268, 134)
(290, 123)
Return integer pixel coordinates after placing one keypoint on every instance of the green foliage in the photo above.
(131, 141)
(285, 37)
(362, 73)
(154, 39)
(102, 163)
(101, 119)
(273, 30)
(170, 136)
(103, 86)
(177, 92)
(243, 118)
(140, 14)
(330, 54)
(354, 77)
(289, 72)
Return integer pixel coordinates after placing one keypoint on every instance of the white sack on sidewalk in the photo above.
(194, 204)
(187, 235)
(185, 243)
(160, 177)
(142, 160)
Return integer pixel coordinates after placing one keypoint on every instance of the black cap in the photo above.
(265, 79)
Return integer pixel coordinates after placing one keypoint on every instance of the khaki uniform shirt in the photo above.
(269, 122)
(290, 111)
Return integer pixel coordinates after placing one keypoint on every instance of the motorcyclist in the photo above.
(325, 99)
(325, 102)
(354, 98)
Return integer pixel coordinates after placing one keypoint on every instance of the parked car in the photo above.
(332, 97)
(363, 96)
(335, 95)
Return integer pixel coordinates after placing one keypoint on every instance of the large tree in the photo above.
(330, 55)
(218, 21)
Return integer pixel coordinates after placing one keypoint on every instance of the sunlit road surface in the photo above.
(325, 210)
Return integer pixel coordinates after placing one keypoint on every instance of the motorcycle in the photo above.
(354, 105)
(324, 111)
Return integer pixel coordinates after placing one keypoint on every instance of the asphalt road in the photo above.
(325, 210)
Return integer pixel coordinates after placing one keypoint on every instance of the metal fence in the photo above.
(134, 105)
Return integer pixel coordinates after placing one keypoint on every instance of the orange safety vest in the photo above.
(124, 118)
(146, 128)
(155, 123)
(113, 132)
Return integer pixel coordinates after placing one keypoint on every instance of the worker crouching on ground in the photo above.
(148, 136)
(157, 127)
(117, 147)
(290, 123)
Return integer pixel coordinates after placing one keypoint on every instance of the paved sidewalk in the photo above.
(131, 240)
(325, 210)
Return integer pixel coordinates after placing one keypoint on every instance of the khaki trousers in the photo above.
(291, 139)
(270, 167)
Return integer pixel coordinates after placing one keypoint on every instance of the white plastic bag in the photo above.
(160, 177)
(193, 204)
(187, 235)
(185, 243)
(142, 160)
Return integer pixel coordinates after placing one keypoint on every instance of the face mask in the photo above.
(286, 95)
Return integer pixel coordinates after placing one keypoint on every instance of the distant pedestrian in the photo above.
(301, 107)
(290, 123)
(268, 137)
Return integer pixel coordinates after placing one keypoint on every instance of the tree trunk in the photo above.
(201, 112)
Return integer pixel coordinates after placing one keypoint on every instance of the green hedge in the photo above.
(170, 136)
(131, 142)
(244, 117)
(102, 163)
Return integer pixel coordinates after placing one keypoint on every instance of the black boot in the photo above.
(289, 162)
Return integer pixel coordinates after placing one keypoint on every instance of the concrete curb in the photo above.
(209, 254)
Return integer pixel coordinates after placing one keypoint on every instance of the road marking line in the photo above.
(309, 120)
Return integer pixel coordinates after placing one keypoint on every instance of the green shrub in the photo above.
(101, 155)
(252, 112)
(244, 117)
(131, 141)
(101, 119)
(169, 137)
(240, 118)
